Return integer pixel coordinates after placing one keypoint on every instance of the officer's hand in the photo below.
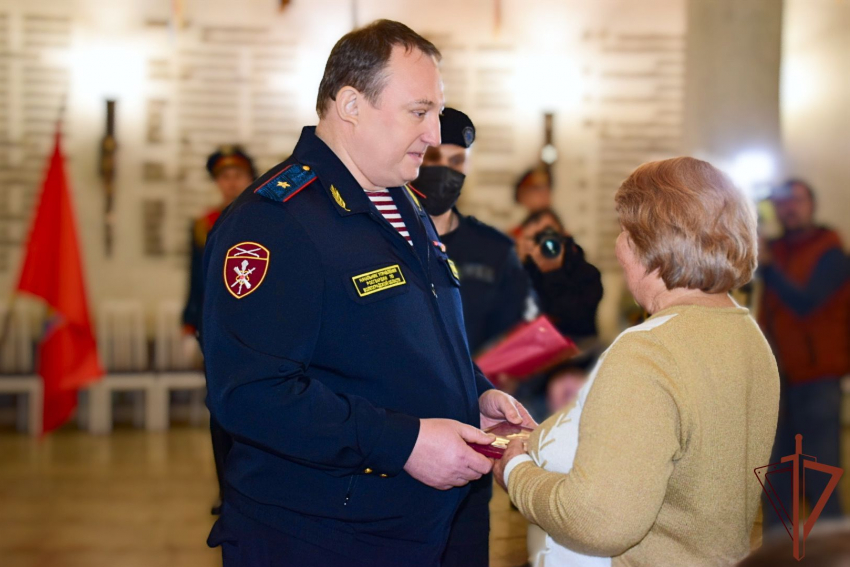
(497, 406)
(441, 457)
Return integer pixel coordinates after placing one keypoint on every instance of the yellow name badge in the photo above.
(454, 269)
(378, 280)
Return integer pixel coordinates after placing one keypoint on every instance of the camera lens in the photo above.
(550, 241)
(550, 247)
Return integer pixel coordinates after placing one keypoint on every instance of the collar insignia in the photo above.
(338, 198)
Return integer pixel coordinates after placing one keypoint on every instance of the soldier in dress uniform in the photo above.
(232, 170)
(333, 333)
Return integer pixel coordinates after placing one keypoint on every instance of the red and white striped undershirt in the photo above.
(383, 200)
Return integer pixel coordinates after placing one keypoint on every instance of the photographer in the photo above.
(569, 288)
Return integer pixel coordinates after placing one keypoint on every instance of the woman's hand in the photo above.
(515, 448)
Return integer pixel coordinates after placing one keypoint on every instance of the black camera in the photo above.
(550, 241)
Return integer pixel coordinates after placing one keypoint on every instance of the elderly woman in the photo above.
(654, 464)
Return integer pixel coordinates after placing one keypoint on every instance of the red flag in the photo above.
(53, 271)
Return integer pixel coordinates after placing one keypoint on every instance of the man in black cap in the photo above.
(495, 292)
(232, 170)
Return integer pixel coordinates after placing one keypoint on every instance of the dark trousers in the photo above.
(246, 542)
(221, 445)
(469, 538)
(814, 411)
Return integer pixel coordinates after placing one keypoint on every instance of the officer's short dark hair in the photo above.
(360, 57)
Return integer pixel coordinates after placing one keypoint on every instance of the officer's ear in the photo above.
(347, 105)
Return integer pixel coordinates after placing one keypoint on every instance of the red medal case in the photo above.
(504, 433)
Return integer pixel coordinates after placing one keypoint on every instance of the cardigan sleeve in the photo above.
(629, 436)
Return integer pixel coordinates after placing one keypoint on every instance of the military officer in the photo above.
(333, 333)
(495, 291)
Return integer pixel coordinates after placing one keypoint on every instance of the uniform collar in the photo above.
(339, 184)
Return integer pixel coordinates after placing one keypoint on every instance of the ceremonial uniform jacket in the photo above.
(326, 337)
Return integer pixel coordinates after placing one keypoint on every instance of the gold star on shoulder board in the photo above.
(283, 184)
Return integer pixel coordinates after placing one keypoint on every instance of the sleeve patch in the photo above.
(245, 267)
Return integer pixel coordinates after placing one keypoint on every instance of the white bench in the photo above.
(178, 366)
(123, 350)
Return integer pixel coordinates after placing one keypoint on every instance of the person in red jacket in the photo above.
(805, 314)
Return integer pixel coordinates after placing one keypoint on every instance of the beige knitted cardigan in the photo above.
(677, 418)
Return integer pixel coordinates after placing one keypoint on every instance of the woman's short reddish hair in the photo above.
(687, 220)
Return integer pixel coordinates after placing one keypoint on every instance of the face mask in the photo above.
(441, 186)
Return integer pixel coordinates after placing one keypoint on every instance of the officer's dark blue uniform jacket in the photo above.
(320, 378)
